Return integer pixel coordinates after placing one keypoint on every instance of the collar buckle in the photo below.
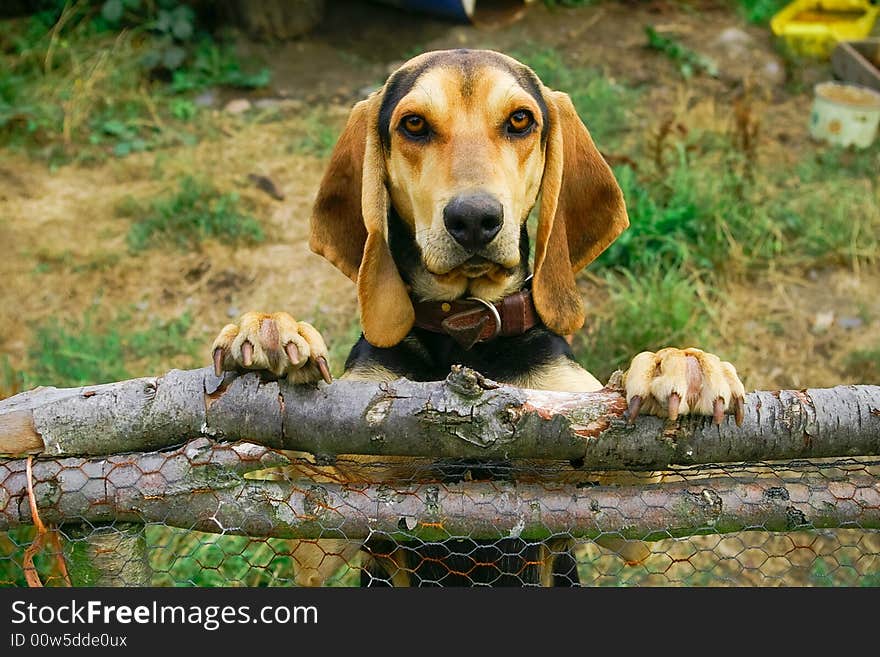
(495, 316)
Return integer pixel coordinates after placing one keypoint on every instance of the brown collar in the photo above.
(473, 320)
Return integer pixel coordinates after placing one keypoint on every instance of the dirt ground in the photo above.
(66, 249)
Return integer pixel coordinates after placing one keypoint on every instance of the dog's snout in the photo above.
(473, 219)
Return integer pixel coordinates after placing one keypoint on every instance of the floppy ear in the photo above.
(349, 227)
(582, 211)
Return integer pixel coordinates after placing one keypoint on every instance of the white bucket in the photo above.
(845, 114)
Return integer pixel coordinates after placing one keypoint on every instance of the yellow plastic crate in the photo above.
(813, 27)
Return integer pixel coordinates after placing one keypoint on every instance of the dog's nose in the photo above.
(473, 219)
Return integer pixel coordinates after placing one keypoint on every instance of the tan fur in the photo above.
(582, 212)
(655, 376)
(268, 334)
(561, 374)
(337, 227)
(373, 372)
(353, 200)
(469, 151)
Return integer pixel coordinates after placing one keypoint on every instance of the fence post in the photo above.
(108, 555)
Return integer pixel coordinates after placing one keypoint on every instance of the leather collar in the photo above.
(472, 320)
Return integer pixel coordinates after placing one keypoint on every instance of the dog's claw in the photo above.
(292, 353)
(632, 411)
(274, 343)
(325, 370)
(674, 403)
(218, 361)
(739, 410)
(247, 354)
(676, 382)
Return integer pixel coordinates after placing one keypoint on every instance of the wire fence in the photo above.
(207, 514)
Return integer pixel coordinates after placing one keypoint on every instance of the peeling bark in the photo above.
(465, 416)
(202, 486)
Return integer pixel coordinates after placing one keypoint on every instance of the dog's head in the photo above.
(460, 144)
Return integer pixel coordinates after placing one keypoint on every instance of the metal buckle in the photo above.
(495, 315)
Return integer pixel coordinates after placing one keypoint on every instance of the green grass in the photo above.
(697, 219)
(688, 61)
(317, 136)
(188, 558)
(760, 11)
(216, 64)
(654, 309)
(194, 213)
(669, 222)
(827, 572)
(864, 365)
(97, 349)
(703, 216)
(74, 87)
(13, 543)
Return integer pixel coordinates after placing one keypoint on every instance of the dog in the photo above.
(424, 205)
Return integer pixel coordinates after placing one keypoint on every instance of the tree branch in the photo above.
(465, 416)
(202, 486)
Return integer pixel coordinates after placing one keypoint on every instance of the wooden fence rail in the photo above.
(178, 450)
(465, 416)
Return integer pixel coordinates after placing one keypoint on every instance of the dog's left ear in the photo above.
(349, 226)
(582, 212)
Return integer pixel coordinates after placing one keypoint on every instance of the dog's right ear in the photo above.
(337, 226)
(349, 226)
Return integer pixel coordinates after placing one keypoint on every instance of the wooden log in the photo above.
(202, 486)
(465, 416)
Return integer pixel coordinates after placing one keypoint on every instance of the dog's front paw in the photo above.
(675, 382)
(275, 343)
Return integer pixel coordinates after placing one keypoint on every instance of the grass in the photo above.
(864, 365)
(712, 220)
(703, 208)
(12, 546)
(760, 11)
(688, 61)
(184, 219)
(654, 309)
(668, 222)
(97, 348)
(183, 558)
(699, 223)
(186, 558)
(74, 88)
(316, 136)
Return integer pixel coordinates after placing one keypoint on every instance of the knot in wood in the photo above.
(468, 383)
(316, 502)
(776, 493)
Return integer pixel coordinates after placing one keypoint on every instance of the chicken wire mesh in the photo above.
(244, 515)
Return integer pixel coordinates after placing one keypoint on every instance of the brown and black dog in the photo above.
(424, 205)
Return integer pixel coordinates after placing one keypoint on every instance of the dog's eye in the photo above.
(520, 121)
(414, 125)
